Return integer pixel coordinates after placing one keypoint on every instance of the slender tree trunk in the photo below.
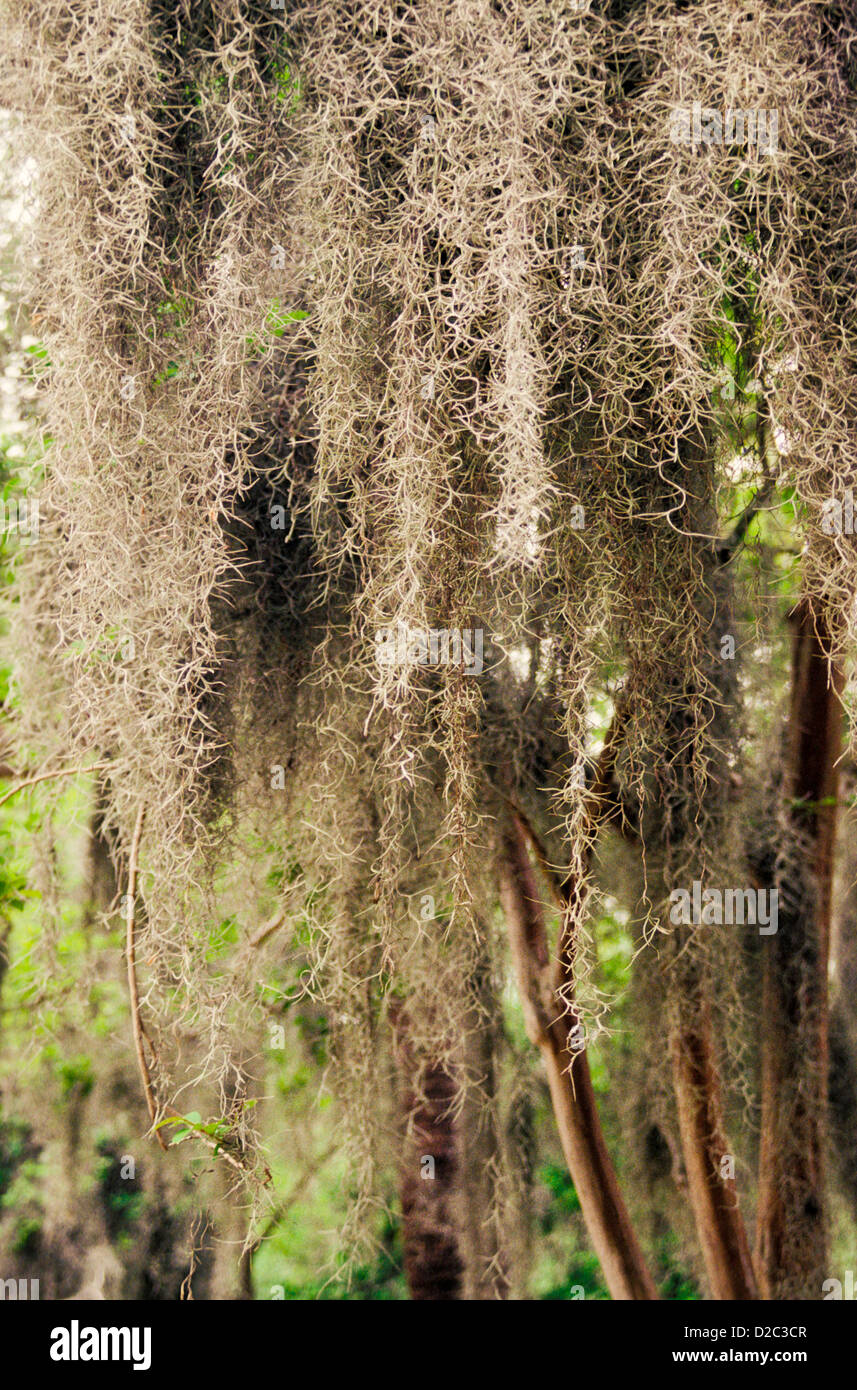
(101, 886)
(710, 1174)
(486, 1273)
(697, 1087)
(549, 1026)
(843, 1020)
(792, 1214)
(711, 1186)
(429, 1174)
(231, 1276)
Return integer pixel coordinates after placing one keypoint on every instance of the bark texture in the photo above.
(792, 1229)
(711, 1183)
(429, 1174)
(549, 1026)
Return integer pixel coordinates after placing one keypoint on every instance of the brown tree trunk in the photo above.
(101, 884)
(429, 1174)
(711, 1184)
(692, 739)
(549, 1025)
(842, 1088)
(711, 1191)
(486, 1274)
(791, 1249)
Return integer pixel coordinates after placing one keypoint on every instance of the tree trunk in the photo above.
(549, 1026)
(842, 1090)
(429, 1174)
(711, 1183)
(792, 1214)
(711, 1187)
(486, 1273)
(101, 885)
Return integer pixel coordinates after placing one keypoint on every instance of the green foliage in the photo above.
(277, 322)
(121, 1196)
(676, 1283)
(15, 1149)
(561, 1187)
(76, 1074)
(26, 1235)
(378, 1280)
(582, 1280)
(21, 1176)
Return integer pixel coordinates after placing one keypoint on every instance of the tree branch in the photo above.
(140, 1035)
(48, 776)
